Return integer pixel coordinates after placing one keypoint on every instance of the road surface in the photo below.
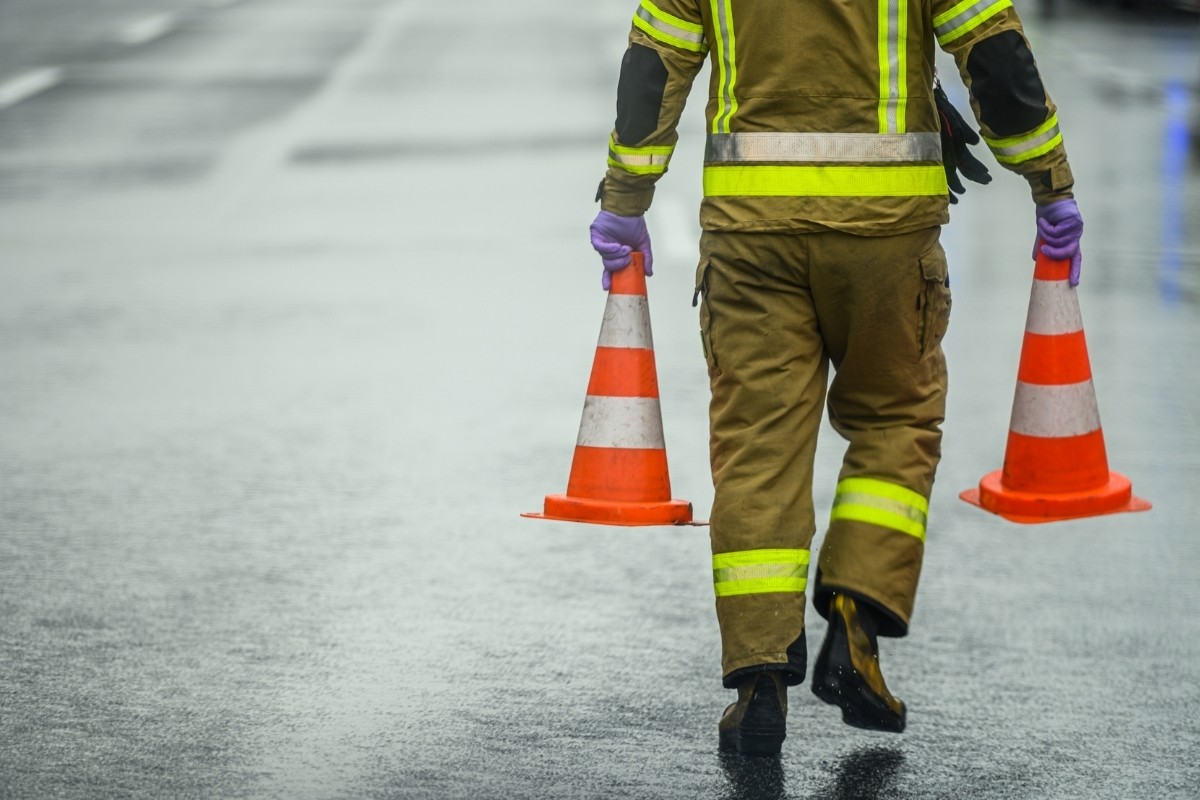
(296, 316)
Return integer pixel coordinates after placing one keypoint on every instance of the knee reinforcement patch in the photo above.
(639, 94)
(1006, 84)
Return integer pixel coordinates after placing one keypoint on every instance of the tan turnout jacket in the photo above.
(820, 113)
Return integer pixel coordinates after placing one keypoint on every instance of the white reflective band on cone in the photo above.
(1053, 309)
(621, 422)
(626, 322)
(1055, 412)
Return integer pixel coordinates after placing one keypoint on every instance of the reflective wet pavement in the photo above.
(296, 315)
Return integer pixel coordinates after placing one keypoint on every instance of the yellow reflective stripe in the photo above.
(881, 503)
(669, 29)
(726, 65)
(1016, 149)
(638, 169)
(966, 17)
(893, 64)
(901, 66)
(760, 572)
(884, 519)
(891, 491)
(884, 65)
(651, 150)
(825, 181)
(650, 160)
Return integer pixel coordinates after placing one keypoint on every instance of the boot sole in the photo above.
(753, 742)
(860, 707)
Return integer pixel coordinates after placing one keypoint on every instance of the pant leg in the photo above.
(768, 374)
(883, 305)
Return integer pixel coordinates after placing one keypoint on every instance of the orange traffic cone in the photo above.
(1055, 466)
(619, 474)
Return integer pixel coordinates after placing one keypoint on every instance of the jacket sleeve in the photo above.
(666, 50)
(1018, 119)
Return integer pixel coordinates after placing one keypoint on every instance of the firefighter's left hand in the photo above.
(1061, 227)
(614, 237)
(956, 155)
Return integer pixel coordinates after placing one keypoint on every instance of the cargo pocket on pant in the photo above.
(701, 298)
(933, 303)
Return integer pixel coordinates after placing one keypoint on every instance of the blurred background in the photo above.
(297, 310)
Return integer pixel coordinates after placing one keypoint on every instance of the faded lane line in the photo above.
(245, 165)
(28, 84)
(147, 29)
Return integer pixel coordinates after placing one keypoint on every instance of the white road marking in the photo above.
(147, 29)
(27, 84)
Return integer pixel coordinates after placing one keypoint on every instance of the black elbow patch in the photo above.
(639, 94)
(1006, 84)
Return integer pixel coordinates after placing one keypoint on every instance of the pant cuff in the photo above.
(793, 664)
(892, 623)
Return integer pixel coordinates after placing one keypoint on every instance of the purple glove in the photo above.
(614, 238)
(1060, 225)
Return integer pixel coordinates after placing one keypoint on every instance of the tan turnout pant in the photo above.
(776, 310)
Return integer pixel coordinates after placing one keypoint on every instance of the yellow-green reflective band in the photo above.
(760, 572)
(1016, 149)
(881, 50)
(888, 505)
(833, 181)
(669, 29)
(639, 160)
(966, 17)
(901, 67)
(893, 65)
(726, 65)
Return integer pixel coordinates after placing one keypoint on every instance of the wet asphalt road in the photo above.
(296, 315)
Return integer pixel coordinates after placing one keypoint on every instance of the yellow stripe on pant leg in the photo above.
(760, 572)
(882, 503)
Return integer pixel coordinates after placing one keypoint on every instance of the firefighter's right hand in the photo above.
(614, 237)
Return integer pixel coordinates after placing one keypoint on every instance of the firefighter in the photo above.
(829, 159)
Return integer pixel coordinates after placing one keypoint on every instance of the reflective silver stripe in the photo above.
(627, 159)
(760, 572)
(898, 507)
(647, 160)
(1055, 411)
(882, 503)
(724, 148)
(1007, 150)
(626, 322)
(621, 422)
(966, 17)
(893, 63)
(1053, 309)
(669, 30)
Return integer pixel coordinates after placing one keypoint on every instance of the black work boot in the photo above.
(846, 673)
(757, 723)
